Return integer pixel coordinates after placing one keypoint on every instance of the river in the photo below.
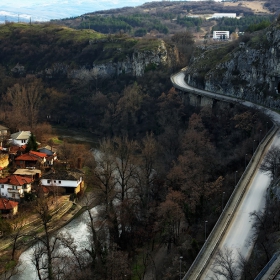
(77, 229)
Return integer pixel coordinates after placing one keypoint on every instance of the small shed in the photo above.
(8, 208)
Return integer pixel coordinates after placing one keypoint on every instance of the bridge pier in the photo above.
(197, 100)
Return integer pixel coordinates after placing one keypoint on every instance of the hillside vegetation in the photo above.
(38, 46)
(182, 162)
(166, 18)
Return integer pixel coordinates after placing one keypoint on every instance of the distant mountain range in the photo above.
(18, 10)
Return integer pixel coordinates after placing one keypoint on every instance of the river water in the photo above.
(77, 229)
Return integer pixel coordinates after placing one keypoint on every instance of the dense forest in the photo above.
(244, 24)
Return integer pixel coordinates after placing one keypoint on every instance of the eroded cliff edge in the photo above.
(248, 68)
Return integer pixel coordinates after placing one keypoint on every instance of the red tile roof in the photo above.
(6, 204)
(27, 157)
(39, 154)
(31, 156)
(19, 180)
(16, 180)
(15, 149)
(4, 180)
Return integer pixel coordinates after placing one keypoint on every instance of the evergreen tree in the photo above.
(32, 143)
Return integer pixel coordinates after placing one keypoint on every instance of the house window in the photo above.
(23, 141)
(2, 193)
(13, 195)
(48, 181)
(54, 181)
(59, 182)
(2, 186)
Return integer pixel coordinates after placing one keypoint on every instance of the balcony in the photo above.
(10, 190)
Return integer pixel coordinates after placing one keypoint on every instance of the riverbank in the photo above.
(63, 211)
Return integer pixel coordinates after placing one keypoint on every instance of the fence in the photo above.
(268, 265)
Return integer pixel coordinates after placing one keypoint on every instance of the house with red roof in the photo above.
(8, 208)
(14, 186)
(31, 159)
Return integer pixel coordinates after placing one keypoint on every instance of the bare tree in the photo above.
(146, 170)
(226, 264)
(17, 234)
(118, 264)
(271, 162)
(95, 226)
(45, 249)
(24, 100)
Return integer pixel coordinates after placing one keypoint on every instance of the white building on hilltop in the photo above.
(220, 35)
(221, 15)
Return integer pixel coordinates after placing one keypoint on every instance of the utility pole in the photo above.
(205, 229)
(180, 266)
(223, 201)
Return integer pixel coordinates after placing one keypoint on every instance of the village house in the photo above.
(14, 186)
(20, 138)
(31, 159)
(34, 174)
(50, 151)
(63, 181)
(8, 208)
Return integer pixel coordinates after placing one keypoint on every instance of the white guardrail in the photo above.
(207, 251)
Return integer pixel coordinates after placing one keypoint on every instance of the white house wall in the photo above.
(60, 183)
(19, 142)
(16, 190)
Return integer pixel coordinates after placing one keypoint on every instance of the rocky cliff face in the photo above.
(133, 62)
(248, 70)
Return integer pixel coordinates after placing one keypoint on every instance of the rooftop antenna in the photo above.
(18, 18)
(30, 21)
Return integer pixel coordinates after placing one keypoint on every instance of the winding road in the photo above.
(236, 222)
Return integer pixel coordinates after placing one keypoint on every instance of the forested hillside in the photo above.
(188, 159)
(166, 18)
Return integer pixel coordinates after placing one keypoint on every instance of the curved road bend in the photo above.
(239, 232)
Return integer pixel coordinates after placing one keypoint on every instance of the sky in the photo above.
(39, 10)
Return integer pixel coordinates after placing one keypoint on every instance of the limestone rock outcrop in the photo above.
(135, 64)
(247, 70)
